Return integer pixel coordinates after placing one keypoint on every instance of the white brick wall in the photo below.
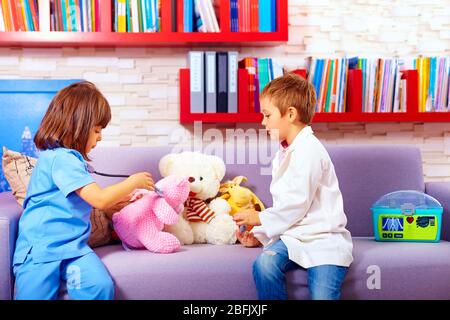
(141, 84)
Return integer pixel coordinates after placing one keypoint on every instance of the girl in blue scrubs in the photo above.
(55, 225)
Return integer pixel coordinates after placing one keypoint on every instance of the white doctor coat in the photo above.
(307, 212)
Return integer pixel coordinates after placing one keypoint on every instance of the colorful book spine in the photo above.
(234, 16)
(256, 105)
(134, 15)
(180, 15)
(2, 21)
(97, 15)
(266, 15)
(33, 14)
(329, 86)
(121, 16)
(64, 15)
(188, 14)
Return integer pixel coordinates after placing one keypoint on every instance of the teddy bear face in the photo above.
(204, 172)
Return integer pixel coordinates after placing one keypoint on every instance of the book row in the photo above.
(214, 80)
(137, 15)
(384, 87)
(19, 15)
(194, 15)
(50, 15)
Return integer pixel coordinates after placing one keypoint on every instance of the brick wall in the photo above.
(142, 83)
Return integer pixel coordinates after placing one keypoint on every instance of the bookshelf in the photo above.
(353, 108)
(166, 38)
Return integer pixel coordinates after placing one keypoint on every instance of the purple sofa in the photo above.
(365, 172)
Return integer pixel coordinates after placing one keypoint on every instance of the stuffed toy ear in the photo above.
(224, 187)
(239, 179)
(219, 166)
(165, 213)
(165, 164)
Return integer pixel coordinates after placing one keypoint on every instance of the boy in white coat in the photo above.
(305, 227)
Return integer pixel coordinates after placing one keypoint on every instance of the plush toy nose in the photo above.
(191, 179)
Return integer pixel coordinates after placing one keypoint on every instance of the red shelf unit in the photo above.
(243, 115)
(354, 105)
(166, 38)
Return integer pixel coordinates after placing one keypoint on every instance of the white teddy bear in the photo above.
(201, 223)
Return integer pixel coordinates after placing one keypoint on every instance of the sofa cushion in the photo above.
(207, 272)
(407, 270)
(199, 271)
(367, 172)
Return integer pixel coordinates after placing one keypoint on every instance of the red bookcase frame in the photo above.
(166, 38)
(353, 112)
(243, 114)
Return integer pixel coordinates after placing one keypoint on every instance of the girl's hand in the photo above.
(121, 204)
(143, 180)
(247, 239)
(247, 217)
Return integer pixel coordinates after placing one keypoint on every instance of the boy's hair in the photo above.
(291, 90)
(72, 113)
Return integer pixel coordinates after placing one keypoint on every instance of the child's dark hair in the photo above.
(72, 113)
(291, 90)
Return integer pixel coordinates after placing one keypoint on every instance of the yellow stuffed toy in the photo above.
(238, 197)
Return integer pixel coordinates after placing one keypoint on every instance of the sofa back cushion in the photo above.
(365, 172)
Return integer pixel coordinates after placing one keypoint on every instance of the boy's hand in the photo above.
(248, 217)
(247, 239)
(143, 180)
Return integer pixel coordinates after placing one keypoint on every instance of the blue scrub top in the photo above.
(55, 224)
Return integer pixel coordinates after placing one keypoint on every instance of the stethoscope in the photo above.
(91, 169)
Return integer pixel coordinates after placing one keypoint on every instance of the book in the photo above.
(256, 87)
(121, 16)
(197, 90)
(212, 16)
(200, 19)
(232, 81)
(210, 81)
(263, 73)
(2, 21)
(174, 15)
(254, 15)
(267, 15)
(72, 16)
(134, 7)
(234, 16)
(28, 16)
(222, 81)
(180, 15)
(188, 16)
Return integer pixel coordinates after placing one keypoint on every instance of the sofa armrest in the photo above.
(10, 212)
(441, 192)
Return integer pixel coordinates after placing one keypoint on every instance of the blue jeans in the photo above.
(269, 273)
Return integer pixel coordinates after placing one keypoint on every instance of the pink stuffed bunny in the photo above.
(139, 224)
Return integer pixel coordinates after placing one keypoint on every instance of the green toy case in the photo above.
(407, 215)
